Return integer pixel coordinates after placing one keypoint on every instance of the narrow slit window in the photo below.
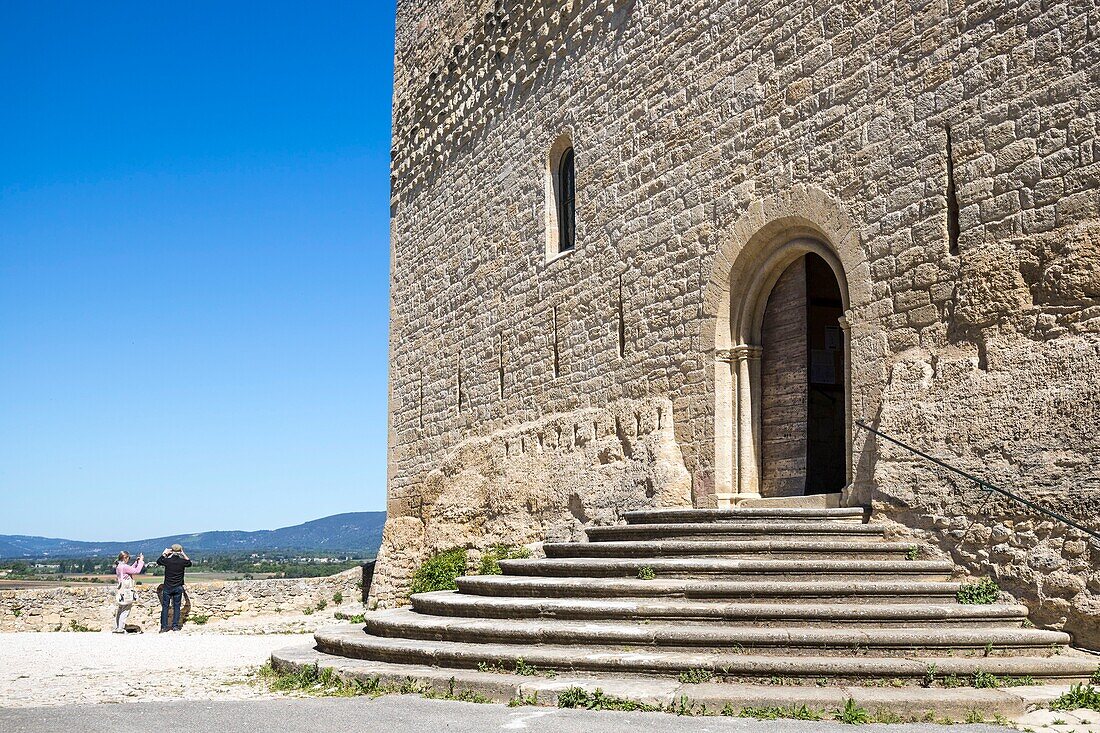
(622, 321)
(458, 382)
(953, 228)
(554, 336)
(500, 364)
(567, 202)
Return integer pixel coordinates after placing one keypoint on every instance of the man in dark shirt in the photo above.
(173, 560)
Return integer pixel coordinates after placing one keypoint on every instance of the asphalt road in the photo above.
(392, 714)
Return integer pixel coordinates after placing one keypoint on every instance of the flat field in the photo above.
(80, 580)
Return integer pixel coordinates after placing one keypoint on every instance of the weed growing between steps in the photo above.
(313, 680)
(984, 592)
(696, 676)
(440, 572)
(355, 618)
(490, 561)
(577, 697)
(773, 712)
(1079, 696)
(852, 714)
(521, 700)
(320, 681)
(325, 682)
(646, 573)
(985, 680)
(522, 668)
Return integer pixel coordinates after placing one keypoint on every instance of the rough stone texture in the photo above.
(707, 134)
(93, 606)
(535, 482)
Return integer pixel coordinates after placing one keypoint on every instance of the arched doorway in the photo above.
(782, 415)
(802, 400)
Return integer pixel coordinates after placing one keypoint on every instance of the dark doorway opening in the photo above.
(826, 465)
(802, 380)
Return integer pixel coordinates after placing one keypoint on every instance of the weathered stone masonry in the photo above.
(706, 135)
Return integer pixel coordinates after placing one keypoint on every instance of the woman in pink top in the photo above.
(125, 596)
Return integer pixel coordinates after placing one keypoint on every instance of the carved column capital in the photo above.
(724, 355)
(744, 352)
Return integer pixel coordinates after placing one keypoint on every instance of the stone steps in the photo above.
(915, 591)
(451, 603)
(352, 642)
(807, 594)
(795, 548)
(957, 641)
(732, 569)
(763, 529)
(786, 514)
(918, 703)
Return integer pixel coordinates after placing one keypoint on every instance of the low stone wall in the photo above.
(93, 607)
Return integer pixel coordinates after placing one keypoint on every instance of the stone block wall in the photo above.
(93, 606)
(534, 482)
(698, 127)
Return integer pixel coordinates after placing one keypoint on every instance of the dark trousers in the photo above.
(174, 596)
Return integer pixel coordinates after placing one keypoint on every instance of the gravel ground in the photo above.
(67, 668)
(202, 669)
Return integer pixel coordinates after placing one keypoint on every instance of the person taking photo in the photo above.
(125, 594)
(174, 560)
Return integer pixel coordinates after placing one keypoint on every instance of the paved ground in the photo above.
(393, 715)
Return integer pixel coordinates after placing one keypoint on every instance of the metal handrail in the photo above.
(983, 483)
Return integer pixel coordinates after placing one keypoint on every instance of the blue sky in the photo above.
(194, 264)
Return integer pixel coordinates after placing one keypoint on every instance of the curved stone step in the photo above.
(670, 516)
(732, 569)
(762, 528)
(803, 548)
(405, 623)
(453, 603)
(916, 703)
(359, 645)
(826, 590)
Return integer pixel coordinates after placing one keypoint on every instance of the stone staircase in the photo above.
(799, 598)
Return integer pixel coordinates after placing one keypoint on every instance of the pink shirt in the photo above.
(124, 569)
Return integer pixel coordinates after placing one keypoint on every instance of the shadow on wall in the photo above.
(1005, 421)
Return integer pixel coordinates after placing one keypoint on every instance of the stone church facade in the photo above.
(668, 253)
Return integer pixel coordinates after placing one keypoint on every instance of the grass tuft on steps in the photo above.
(440, 572)
(984, 592)
(1079, 696)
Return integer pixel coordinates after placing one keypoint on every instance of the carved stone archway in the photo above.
(769, 237)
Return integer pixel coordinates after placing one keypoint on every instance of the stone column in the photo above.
(748, 421)
(725, 412)
(849, 426)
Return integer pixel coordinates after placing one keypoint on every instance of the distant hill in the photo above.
(354, 532)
